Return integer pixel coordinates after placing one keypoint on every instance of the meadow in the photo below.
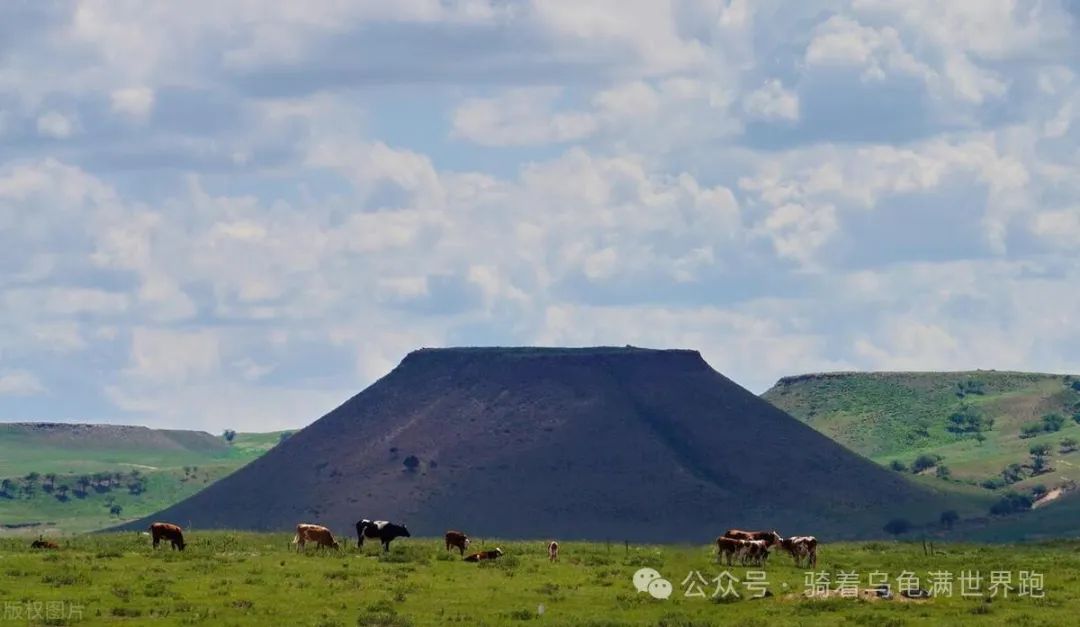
(241, 578)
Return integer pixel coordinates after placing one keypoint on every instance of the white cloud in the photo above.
(772, 102)
(136, 102)
(56, 125)
(519, 117)
(160, 355)
(20, 383)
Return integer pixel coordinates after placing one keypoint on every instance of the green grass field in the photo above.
(228, 578)
(899, 416)
(173, 467)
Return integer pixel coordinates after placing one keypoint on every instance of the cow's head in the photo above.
(405, 532)
(335, 545)
(498, 551)
(180, 543)
(773, 538)
(467, 542)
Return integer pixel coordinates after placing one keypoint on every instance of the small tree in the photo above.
(62, 492)
(1068, 445)
(898, 465)
(948, 518)
(1039, 465)
(411, 463)
(1031, 430)
(1039, 491)
(943, 472)
(897, 526)
(924, 461)
(1053, 422)
(115, 510)
(6, 486)
(229, 435)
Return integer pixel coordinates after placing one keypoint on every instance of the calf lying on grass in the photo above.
(496, 553)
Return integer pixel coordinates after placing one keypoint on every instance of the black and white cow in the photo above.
(384, 531)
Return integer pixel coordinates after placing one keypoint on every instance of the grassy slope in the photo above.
(246, 578)
(898, 416)
(162, 464)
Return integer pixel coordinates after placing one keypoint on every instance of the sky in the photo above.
(238, 213)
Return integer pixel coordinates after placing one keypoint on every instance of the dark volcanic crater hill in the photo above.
(597, 443)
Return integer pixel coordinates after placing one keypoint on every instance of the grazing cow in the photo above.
(318, 534)
(800, 547)
(553, 551)
(384, 531)
(167, 531)
(754, 552)
(494, 554)
(727, 547)
(770, 537)
(42, 543)
(457, 539)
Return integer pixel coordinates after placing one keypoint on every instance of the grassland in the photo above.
(150, 471)
(899, 416)
(226, 578)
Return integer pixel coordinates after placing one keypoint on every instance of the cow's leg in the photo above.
(386, 546)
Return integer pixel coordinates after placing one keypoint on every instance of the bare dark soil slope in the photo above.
(600, 443)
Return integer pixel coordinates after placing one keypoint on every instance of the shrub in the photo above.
(229, 435)
(1039, 491)
(993, 483)
(948, 518)
(897, 526)
(1039, 450)
(1068, 445)
(1011, 503)
(898, 465)
(924, 461)
(411, 462)
(1053, 422)
(1013, 473)
(969, 420)
(1031, 429)
(943, 472)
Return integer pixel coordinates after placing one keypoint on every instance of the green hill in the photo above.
(1002, 431)
(78, 477)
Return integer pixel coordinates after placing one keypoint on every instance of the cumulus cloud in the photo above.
(20, 383)
(236, 214)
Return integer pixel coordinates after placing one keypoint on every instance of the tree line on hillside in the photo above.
(63, 487)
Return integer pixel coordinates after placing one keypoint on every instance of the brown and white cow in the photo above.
(553, 551)
(318, 534)
(800, 547)
(769, 537)
(493, 554)
(727, 547)
(457, 540)
(753, 552)
(167, 531)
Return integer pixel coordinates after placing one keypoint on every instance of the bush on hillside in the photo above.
(897, 526)
(924, 461)
(1011, 503)
(898, 465)
(969, 420)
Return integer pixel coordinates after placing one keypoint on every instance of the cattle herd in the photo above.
(748, 547)
(752, 547)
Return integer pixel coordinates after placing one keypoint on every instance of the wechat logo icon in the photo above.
(649, 580)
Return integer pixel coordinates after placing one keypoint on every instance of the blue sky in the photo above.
(236, 214)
